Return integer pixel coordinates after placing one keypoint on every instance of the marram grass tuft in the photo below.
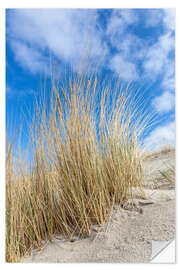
(86, 157)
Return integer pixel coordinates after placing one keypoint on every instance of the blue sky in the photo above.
(136, 44)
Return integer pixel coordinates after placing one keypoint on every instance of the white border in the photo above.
(89, 4)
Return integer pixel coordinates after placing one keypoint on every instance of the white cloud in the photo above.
(169, 18)
(118, 23)
(154, 17)
(11, 92)
(158, 60)
(116, 26)
(164, 103)
(128, 15)
(125, 69)
(131, 46)
(124, 43)
(64, 32)
(29, 58)
(166, 17)
(162, 135)
(158, 55)
(169, 82)
(169, 76)
(70, 34)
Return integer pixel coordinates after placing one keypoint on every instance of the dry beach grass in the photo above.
(86, 159)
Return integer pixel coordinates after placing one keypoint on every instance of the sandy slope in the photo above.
(128, 235)
(153, 164)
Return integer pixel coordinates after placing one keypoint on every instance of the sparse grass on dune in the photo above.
(163, 151)
(168, 174)
(86, 159)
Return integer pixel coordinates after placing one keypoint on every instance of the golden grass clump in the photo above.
(86, 157)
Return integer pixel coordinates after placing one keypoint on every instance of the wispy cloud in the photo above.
(119, 21)
(154, 56)
(12, 92)
(68, 33)
(169, 18)
(29, 57)
(124, 68)
(164, 17)
(159, 60)
(154, 17)
(157, 56)
(168, 81)
(164, 103)
(124, 42)
(63, 32)
(162, 135)
(132, 47)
